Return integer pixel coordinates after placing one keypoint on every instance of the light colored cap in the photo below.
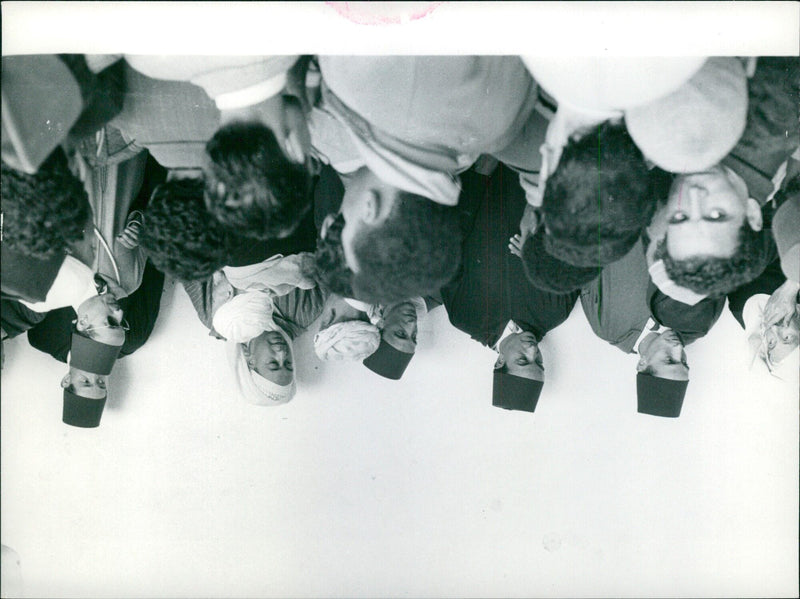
(697, 125)
(608, 83)
(350, 340)
(40, 102)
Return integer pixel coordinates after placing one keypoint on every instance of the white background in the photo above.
(362, 486)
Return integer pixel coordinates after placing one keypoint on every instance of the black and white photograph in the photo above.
(400, 299)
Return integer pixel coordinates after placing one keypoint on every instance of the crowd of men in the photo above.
(351, 195)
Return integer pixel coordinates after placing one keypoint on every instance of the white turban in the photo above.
(350, 340)
(244, 316)
(239, 320)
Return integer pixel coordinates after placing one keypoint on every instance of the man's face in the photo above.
(520, 354)
(271, 356)
(664, 353)
(100, 318)
(782, 338)
(83, 383)
(400, 327)
(704, 213)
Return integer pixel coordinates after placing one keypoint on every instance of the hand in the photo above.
(515, 245)
(527, 226)
(529, 222)
(782, 304)
(129, 238)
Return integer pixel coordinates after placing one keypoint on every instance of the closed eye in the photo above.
(522, 362)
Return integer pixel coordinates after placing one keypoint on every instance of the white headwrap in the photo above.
(245, 316)
(239, 320)
(350, 340)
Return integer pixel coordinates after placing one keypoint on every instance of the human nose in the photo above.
(693, 201)
(279, 349)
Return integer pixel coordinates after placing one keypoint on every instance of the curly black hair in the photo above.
(46, 212)
(716, 277)
(179, 235)
(330, 269)
(599, 199)
(414, 252)
(551, 274)
(251, 185)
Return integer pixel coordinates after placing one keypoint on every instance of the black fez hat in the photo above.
(92, 356)
(82, 411)
(659, 396)
(512, 392)
(388, 361)
(549, 273)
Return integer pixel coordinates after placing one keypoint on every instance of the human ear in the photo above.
(500, 362)
(754, 218)
(82, 323)
(323, 230)
(245, 350)
(641, 365)
(372, 206)
(65, 381)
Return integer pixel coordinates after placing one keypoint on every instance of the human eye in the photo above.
(677, 218)
(101, 383)
(273, 365)
(522, 361)
(289, 366)
(716, 215)
(400, 334)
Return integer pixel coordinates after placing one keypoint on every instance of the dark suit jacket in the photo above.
(767, 282)
(773, 124)
(27, 278)
(690, 322)
(491, 287)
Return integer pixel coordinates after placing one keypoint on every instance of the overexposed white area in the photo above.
(367, 487)
(542, 28)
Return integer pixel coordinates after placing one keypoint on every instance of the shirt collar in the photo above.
(651, 327)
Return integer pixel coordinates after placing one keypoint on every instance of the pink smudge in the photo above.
(383, 13)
